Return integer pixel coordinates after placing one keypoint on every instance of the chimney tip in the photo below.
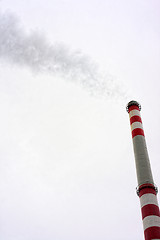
(131, 103)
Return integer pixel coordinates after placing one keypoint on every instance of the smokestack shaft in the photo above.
(146, 189)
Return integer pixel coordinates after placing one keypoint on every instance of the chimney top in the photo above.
(132, 103)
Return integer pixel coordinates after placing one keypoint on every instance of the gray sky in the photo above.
(68, 69)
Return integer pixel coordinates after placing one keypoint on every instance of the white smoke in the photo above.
(33, 51)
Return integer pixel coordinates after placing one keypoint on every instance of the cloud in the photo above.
(32, 50)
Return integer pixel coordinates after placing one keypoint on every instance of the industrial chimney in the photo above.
(146, 189)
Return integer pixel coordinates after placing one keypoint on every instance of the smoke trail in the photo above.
(33, 51)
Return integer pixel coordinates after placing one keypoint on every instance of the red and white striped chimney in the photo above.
(146, 189)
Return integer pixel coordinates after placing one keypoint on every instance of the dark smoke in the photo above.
(33, 51)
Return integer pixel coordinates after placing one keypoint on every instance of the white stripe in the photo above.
(134, 113)
(151, 221)
(136, 125)
(148, 198)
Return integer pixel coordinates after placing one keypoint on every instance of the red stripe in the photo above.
(152, 233)
(133, 107)
(147, 190)
(137, 131)
(135, 119)
(150, 209)
(144, 189)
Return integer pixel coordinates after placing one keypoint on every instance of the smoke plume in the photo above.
(33, 51)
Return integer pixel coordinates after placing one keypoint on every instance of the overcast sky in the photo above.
(67, 70)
